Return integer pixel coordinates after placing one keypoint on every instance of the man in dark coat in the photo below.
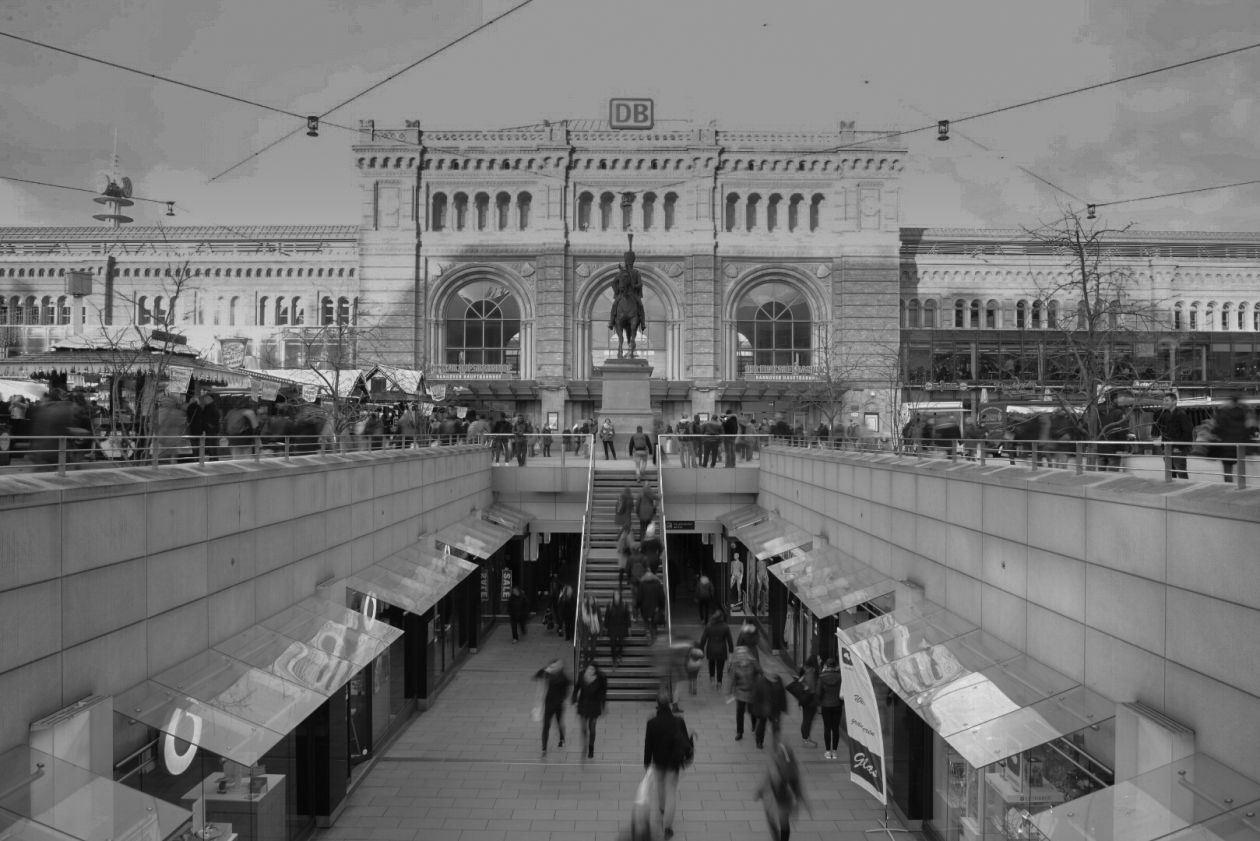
(1175, 430)
(730, 431)
(518, 612)
(556, 690)
(617, 623)
(651, 600)
(1233, 427)
(203, 420)
(663, 743)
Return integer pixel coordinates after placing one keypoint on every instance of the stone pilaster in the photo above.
(701, 343)
(550, 322)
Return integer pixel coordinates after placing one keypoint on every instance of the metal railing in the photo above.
(537, 445)
(664, 532)
(579, 594)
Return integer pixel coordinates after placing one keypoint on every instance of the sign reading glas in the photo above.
(630, 114)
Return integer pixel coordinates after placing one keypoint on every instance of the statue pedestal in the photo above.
(627, 399)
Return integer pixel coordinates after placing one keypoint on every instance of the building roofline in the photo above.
(188, 233)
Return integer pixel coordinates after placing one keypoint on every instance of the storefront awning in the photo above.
(414, 579)
(772, 537)
(985, 698)
(474, 536)
(745, 516)
(508, 517)
(43, 798)
(1192, 799)
(247, 693)
(828, 581)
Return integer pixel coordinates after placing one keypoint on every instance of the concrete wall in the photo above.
(110, 576)
(1142, 590)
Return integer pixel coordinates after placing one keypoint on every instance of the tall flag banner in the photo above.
(866, 738)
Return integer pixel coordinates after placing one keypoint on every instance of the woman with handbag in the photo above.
(590, 696)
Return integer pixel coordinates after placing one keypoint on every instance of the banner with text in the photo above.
(178, 379)
(866, 739)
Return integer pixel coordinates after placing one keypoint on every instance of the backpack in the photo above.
(684, 749)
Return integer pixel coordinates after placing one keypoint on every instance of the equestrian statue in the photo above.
(627, 316)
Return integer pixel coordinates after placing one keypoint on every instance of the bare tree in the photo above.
(1097, 313)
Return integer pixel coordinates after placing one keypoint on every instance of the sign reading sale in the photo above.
(630, 113)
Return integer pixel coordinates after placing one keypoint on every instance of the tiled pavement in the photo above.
(470, 769)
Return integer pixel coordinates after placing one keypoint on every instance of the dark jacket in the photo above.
(625, 504)
(830, 690)
(716, 640)
(590, 697)
(617, 620)
(557, 687)
(744, 669)
(660, 742)
(518, 606)
(651, 594)
(203, 420)
(1174, 425)
(1231, 425)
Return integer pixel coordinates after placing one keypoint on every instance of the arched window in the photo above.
(649, 211)
(47, 311)
(1113, 314)
(1255, 318)
(1209, 316)
(1242, 315)
(1227, 313)
(461, 211)
(1194, 316)
(929, 313)
(774, 326)
(605, 211)
(1038, 315)
(524, 202)
(815, 211)
(262, 310)
(502, 210)
(482, 202)
(63, 310)
(326, 311)
(143, 316)
(282, 311)
(1052, 315)
(483, 326)
(992, 315)
(4, 310)
(1179, 318)
(732, 203)
(752, 212)
(671, 207)
(794, 212)
(232, 304)
(974, 321)
(159, 311)
(627, 214)
(437, 217)
(1021, 315)
(774, 213)
(960, 313)
(585, 200)
(218, 311)
(914, 314)
(297, 310)
(343, 310)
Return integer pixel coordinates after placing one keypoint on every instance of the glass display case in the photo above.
(997, 802)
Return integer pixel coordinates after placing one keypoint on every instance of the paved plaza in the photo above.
(470, 768)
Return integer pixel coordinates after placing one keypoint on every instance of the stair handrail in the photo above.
(579, 596)
(660, 512)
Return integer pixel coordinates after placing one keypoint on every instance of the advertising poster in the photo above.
(866, 739)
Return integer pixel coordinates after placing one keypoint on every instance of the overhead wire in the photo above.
(167, 79)
(1177, 193)
(78, 189)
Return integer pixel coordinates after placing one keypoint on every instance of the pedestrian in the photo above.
(645, 510)
(717, 645)
(636, 569)
(590, 696)
(203, 421)
(625, 549)
(625, 507)
(748, 635)
(1233, 426)
(744, 669)
(711, 442)
(666, 746)
(518, 613)
(686, 450)
(640, 448)
(607, 436)
(617, 624)
(1177, 432)
(781, 793)
(555, 690)
(520, 434)
(769, 705)
(651, 602)
(566, 612)
(804, 688)
(590, 626)
(704, 598)
(730, 431)
(831, 701)
(547, 433)
(695, 662)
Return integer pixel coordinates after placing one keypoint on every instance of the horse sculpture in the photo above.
(627, 310)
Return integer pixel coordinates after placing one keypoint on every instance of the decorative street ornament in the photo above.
(942, 129)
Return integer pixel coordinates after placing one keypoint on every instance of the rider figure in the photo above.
(628, 284)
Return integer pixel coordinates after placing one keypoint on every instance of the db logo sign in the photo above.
(630, 113)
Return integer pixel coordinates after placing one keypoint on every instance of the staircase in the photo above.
(635, 679)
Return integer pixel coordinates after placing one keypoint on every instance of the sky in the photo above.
(766, 64)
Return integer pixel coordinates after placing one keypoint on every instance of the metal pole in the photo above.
(1167, 448)
(1240, 468)
(61, 455)
(1080, 458)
